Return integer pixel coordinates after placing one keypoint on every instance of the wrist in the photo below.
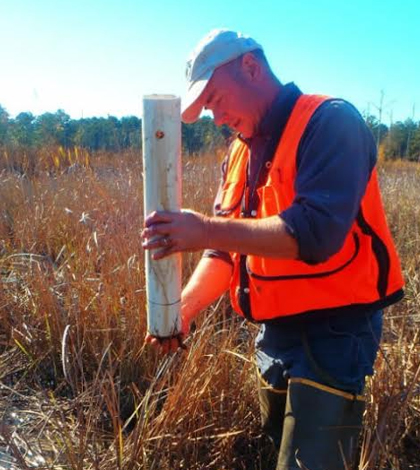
(186, 320)
(187, 312)
(207, 225)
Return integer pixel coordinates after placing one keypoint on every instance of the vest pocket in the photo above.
(231, 198)
(270, 203)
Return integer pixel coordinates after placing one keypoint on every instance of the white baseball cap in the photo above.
(217, 48)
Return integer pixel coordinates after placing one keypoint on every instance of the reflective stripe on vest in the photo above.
(364, 272)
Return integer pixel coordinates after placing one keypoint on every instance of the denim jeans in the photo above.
(338, 351)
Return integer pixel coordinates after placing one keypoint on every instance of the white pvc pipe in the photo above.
(162, 191)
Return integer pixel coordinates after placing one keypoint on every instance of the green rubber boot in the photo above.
(272, 407)
(321, 428)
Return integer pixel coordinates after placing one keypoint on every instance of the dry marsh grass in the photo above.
(79, 390)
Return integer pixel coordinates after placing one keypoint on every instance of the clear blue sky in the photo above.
(98, 58)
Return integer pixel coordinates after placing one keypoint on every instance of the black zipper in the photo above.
(244, 297)
(290, 277)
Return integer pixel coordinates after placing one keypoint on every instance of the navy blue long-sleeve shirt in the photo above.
(335, 158)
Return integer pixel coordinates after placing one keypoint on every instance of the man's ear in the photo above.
(251, 66)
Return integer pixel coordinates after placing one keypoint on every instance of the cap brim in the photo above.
(192, 104)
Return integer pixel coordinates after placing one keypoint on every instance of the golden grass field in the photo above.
(79, 390)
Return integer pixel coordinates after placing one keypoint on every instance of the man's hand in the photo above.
(169, 345)
(171, 232)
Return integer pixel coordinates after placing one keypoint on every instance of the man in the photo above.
(300, 240)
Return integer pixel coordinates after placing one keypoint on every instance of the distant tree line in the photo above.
(400, 140)
(111, 133)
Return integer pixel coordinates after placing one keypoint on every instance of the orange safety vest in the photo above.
(365, 272)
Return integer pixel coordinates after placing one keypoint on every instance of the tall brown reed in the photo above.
(79, 388)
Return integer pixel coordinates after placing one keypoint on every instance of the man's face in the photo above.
(232, 101)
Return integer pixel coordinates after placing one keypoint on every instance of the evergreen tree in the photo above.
(4, 124)
(22, 130)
